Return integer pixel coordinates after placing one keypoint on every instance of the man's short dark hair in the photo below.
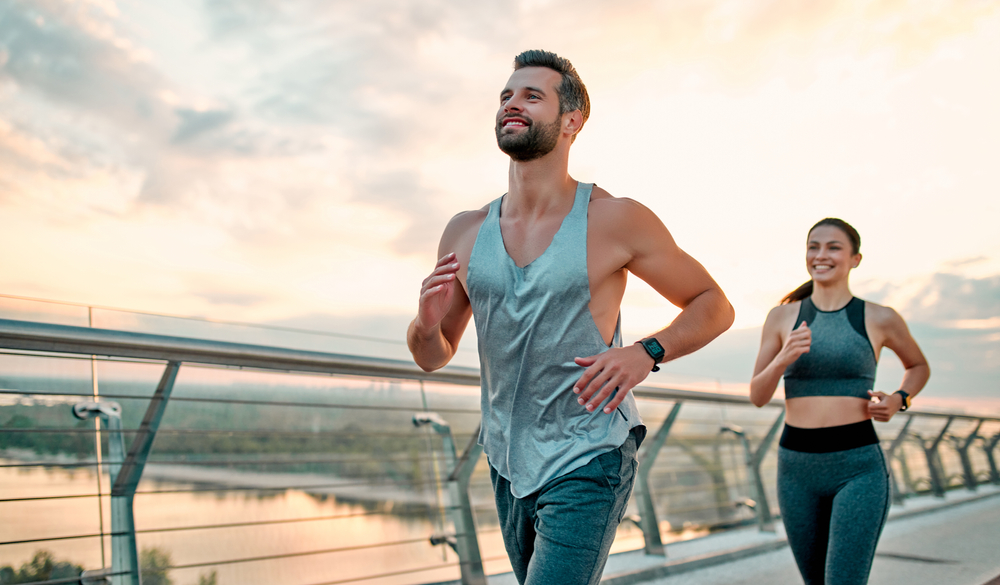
(572, 92)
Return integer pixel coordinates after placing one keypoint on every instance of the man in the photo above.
(543, 271)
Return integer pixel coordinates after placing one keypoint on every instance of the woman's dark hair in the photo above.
(807, 288)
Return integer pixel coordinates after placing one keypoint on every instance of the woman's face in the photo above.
(829, 256)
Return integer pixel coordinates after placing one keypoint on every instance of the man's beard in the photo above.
(534, 142)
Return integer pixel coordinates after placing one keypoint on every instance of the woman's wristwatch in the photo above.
(906, 400)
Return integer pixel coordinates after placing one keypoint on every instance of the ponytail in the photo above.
(798, 294)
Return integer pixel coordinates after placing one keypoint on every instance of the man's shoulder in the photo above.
(607, 208)
(465, 224)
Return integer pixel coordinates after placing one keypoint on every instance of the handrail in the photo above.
(47, 337)
(69, 339)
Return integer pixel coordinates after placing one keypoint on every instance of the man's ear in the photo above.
(572, 122)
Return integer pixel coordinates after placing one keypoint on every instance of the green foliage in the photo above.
(208, 579)
(154, 564)
(75, 443)
(366, 444)
(42, 567)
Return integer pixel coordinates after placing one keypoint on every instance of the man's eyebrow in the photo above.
(508, 90)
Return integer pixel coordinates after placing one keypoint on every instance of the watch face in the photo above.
(654, 347)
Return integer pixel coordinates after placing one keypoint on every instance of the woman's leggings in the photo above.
(833, 489)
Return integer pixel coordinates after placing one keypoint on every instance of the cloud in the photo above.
(333, 137)
(194, 123)
(943, 298)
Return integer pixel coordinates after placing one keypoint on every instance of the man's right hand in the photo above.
(437, 293)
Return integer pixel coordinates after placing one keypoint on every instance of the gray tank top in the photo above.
(531, 323)
(840, 361)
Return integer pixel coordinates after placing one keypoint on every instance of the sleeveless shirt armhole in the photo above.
(807, 313)
(856, 316)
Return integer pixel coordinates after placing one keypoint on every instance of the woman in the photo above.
(833, 485)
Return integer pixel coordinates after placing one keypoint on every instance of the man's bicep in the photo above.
(457, 320)
(672, 272)
(657, 259)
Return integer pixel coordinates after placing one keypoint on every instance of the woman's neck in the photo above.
(831, 298)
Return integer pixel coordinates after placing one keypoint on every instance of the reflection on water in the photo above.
(352, 527)
(339, 536)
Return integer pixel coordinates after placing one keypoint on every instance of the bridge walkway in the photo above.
(953, 540)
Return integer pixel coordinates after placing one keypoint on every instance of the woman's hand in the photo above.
(886, 405)
(797, 343)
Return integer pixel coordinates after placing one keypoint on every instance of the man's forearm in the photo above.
(706, 317)
(430, 348)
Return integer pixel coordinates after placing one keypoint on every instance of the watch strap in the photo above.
(655, 351)
(906, 400)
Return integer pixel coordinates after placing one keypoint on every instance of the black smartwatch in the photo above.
(655, 351)
(906, 400)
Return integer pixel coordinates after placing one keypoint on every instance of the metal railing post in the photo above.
(988, 446)
(123, 488)
(753, 461)
(124, 554)
(934, 465)
(465, 542)
(648, 522)
(898, 497)
(962, 446)
(715, 470)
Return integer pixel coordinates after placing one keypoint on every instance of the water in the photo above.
(355, 526)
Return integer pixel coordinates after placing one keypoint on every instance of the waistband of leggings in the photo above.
(829, 439)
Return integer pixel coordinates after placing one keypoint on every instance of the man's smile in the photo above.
(514, 122)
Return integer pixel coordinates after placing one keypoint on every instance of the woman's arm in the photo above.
(774, 356)
(896, 336)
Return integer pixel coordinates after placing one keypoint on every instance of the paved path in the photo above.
(956, 546)
(928, 541)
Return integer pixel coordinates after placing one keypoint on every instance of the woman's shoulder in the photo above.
(881, 315)
(782, 316)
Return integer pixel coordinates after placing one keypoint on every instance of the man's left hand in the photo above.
(621, 368)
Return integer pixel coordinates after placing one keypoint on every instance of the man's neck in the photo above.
(538, 186)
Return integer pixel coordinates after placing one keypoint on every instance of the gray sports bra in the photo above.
(840, 361)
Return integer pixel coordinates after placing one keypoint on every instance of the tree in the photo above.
(154, 564)
(42, 567)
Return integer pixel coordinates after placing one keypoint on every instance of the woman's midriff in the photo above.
(813, 412)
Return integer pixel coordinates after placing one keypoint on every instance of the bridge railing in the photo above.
(131, 453)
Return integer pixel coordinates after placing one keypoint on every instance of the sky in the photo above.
(293, 162)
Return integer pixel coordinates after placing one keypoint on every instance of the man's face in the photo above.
(528, 122)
